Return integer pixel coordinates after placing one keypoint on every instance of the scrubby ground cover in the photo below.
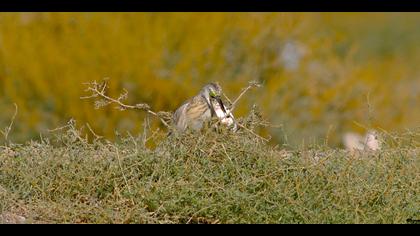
(208, 177)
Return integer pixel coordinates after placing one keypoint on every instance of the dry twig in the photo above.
(252, 84)
(99, 90)
(93, 133)
(71, 128)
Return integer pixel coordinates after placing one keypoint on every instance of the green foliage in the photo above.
(212, 177)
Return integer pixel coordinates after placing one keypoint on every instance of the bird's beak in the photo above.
(222, 106)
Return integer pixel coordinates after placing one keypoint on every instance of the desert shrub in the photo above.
(214, 176)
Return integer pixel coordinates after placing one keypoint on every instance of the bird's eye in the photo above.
(212, 93)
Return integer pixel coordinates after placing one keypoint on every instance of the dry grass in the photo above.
(212, 177)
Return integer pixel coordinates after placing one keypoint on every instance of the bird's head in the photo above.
(212, 91)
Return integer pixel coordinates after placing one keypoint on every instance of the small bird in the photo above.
(201, 108)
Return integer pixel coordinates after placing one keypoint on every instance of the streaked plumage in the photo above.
(196, 111)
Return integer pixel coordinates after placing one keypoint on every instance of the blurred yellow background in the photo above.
(322, 72)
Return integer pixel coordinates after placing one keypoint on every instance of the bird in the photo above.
(207, 104)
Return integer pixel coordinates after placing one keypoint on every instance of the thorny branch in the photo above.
(99, 91)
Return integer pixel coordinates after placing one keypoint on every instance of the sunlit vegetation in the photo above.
(213, 177)
(323, 73)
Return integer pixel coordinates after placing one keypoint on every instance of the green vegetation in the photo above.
(214, 177)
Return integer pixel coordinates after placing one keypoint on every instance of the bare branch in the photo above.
(100, 90)
(252, 84)
(94, 134)
(226, 97)
(71, 128)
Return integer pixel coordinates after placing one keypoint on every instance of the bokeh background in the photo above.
(323, 73)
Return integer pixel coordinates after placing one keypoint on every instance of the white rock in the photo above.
(353, 141)
(372, 140)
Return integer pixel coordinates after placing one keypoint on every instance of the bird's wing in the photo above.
(179, 112)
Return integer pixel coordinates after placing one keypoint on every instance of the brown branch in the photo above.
(94, 134)
(227, 98)
(252, 84)
(99, 91)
